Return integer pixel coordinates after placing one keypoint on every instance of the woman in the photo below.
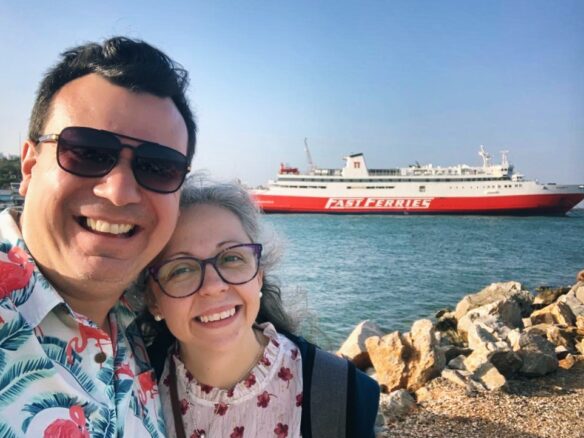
(233, 369)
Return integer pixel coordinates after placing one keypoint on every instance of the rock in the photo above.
(578, 290)
(561, 352)
(563, 337)
(507, 362)
(580, 276)
(398, 404)
(567, 362)
(537, 354)
(387, 356)
(575, 304)
(505, 312)
(547, 295)
(354, 346)
(490, 377)
(458, 377)
(495, 292)
(457, 363)
(452, 351)
(580, 347)
(580, 322)
(526, 322)
(426, 360)
(556, 313)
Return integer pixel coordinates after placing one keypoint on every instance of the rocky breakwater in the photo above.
(492, 338)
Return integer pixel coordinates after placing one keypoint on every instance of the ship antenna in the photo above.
(311, 165)
(485, 156)
(505, 158)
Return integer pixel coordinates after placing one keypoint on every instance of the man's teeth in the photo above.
(106, 227)
(217, 316)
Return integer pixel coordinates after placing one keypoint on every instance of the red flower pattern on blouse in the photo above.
(189, 376)
(206, 388)
(276, 343)
(199, 433)
(264, 399)
(184, 406)
(265, 361)
(286, 375)
(220, 409)
(230, 392)
(299, 400)
(294, 353)
(250, 381)
(166, 381)
(237, 432)
(281, 430)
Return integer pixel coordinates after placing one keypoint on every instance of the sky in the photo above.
(400, 81)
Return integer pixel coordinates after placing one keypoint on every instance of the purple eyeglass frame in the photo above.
(153, 270)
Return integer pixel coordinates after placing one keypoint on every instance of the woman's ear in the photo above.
(152, 303)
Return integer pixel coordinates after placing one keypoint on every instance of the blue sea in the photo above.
(339, 270)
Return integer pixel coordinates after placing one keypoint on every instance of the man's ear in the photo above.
(28, 159)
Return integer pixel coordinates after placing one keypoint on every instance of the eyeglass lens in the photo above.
(184, 276)
(92, 153)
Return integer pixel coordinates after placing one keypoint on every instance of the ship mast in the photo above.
(311, 165)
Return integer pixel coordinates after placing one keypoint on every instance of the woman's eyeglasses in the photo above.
(184, 276)
(91, 153)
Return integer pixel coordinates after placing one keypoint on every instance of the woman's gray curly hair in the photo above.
(233, 197)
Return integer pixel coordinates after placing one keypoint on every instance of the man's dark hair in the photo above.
(132, 64)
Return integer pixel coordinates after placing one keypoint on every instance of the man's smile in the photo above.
(105, 227)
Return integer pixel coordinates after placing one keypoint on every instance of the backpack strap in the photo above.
(325, 386)
(329, 390)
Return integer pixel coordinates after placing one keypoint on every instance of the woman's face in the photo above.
(218, 315)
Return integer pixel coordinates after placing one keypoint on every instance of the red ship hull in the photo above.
(537, 204)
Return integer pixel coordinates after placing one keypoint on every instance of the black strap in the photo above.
(176, 413)
(307, 352)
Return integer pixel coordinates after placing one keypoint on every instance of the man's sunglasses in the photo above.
(92, 153)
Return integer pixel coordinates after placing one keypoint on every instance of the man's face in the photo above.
(67, 220)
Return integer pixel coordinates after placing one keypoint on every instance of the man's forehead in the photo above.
(95, 102)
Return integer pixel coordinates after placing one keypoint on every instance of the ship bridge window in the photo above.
(422, 189)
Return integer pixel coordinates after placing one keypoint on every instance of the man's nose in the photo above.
(119, 186)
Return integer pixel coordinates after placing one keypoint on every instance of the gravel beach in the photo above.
(551, 406)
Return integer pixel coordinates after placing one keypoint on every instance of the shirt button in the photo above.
(100, 357)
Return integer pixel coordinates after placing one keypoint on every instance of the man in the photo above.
(110, 142)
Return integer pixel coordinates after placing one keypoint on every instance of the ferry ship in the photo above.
(489, 189)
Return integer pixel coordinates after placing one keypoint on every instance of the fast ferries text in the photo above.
(377, 203)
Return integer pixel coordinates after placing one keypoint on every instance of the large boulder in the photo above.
(556, 313)
(426, 359)
(572, 300)
(496, 292)
(537, 354)
(354, 347)
(490, 377)
(406, 361)
(504, 312)
(387, 355)
(547, 295)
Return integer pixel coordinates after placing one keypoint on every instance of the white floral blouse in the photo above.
(268, 403)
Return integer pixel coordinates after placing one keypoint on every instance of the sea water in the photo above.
(339, 270)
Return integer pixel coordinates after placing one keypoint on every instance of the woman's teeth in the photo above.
(217, 316)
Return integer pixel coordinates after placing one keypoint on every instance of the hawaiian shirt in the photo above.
(60, 374)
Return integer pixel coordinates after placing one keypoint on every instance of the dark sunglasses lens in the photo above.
(159, 168)
(87, 152)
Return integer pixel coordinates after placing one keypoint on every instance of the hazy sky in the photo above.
(401, 81)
